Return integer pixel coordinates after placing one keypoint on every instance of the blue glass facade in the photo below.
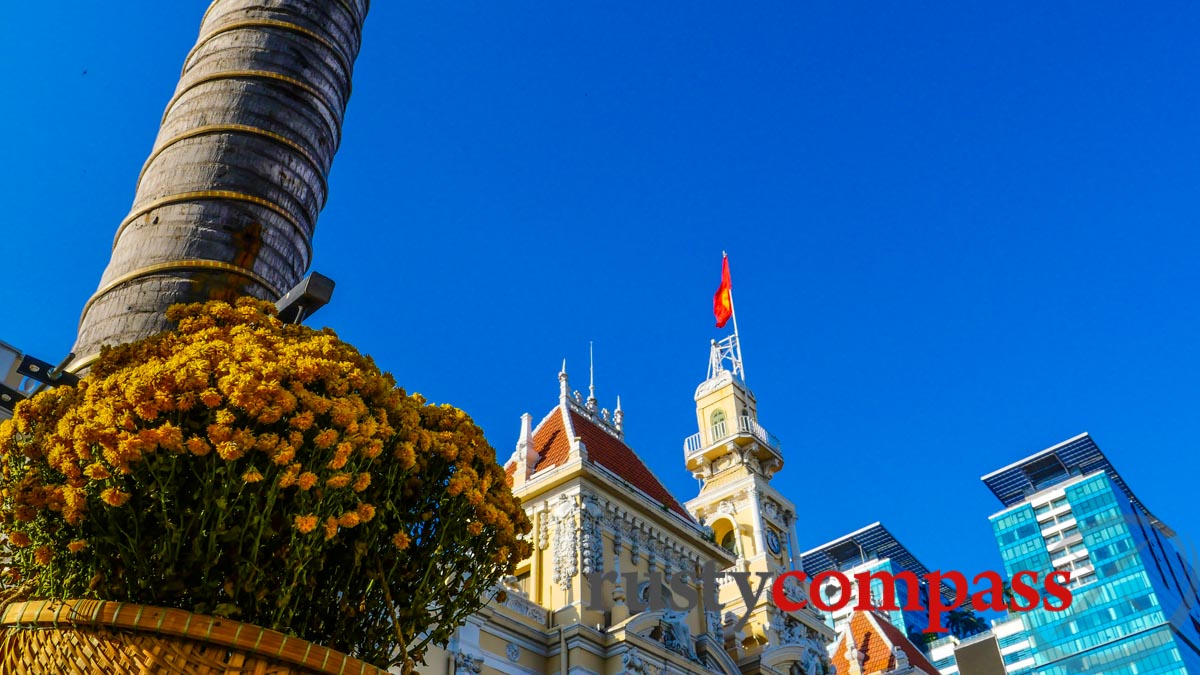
(911, 622)
(872, 549)
(1135, 599)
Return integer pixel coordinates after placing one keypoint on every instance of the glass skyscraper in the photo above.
(1136, 599)
(871, 549)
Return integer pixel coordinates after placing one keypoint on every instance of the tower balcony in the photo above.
(748, 429)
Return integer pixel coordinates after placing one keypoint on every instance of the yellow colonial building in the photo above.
(616, 583)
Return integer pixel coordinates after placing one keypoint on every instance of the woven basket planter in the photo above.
(87, 637)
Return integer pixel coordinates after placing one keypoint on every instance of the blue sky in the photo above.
(959, 232)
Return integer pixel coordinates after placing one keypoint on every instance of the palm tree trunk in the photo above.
(227, 202)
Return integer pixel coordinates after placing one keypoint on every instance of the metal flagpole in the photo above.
(737, 338)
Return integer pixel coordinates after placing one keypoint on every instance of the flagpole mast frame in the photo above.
(737, 339)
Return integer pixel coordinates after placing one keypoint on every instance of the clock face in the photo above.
(773, 541)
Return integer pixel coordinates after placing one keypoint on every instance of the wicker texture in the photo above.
(89, 637)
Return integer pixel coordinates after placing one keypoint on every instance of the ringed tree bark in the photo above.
(227, 201)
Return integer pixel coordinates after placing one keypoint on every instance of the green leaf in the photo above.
(227, 610)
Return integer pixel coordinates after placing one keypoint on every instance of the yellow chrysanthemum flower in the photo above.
(43, 555)
(362, 482)
(114, 497)
(307, 480)
(401, 540)
(305, 524)
(366, 513)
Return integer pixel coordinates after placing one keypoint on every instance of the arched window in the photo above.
(729, 541)
(725, 533)
(717, 425)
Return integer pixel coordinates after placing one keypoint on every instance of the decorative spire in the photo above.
(564, 405)
(588, 408)
(619, 416)
(853, 655)
(528, 455)
(591, 401)
(900, 657)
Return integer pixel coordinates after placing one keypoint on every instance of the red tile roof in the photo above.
(553, 447)
(551, 442)
(875, 636)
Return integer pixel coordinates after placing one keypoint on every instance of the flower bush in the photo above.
(270, 473)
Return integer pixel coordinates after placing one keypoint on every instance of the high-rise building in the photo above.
(1135, 597)
(1002, 650)
(1013, 644)
(870, 550)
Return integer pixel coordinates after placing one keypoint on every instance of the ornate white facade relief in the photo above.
(671, 563)
(618, 532)
(572, 527)
(544, 527)
(598, 416)
(715, 629)
(793, 632)
(677, 636)
(770, 509)
(792, 590)
(591, 542)
(464, 663)
(633, 663)
(519, 602)
(815, 660)
(566, 557)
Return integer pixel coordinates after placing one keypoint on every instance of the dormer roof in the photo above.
(603, 448)
(876, 637)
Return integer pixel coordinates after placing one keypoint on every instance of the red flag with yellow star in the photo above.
(723, 300)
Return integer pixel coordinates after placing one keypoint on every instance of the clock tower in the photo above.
(734, 458)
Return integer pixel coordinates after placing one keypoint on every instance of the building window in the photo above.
(718, 425)
(729, 541)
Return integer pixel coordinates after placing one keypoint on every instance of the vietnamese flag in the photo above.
(723, 300)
